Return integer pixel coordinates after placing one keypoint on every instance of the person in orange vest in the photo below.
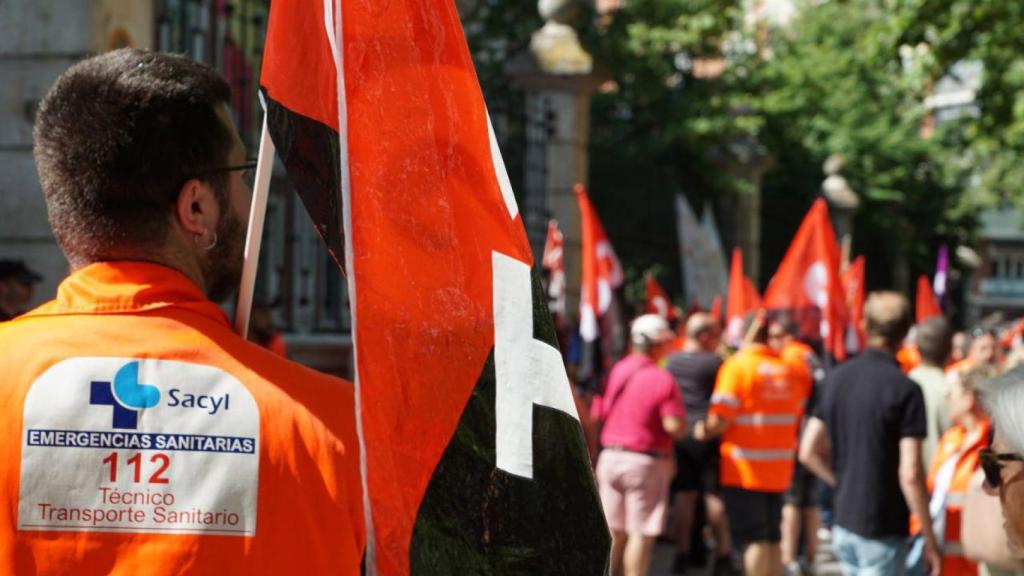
(955, 461)
(799, 510)
(140, 434)
(756, 408)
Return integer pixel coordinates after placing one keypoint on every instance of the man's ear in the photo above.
(196, 209)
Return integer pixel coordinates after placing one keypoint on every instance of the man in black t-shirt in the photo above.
(865, 440)
(695, 369)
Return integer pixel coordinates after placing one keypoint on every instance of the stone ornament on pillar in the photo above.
(555, 46)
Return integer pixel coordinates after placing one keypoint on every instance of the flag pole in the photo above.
(254, 235)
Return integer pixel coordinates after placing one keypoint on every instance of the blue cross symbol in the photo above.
(123, 394)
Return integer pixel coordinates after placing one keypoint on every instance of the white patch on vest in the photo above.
(139, 445)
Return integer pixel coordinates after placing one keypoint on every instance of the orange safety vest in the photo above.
(140, 435)
(763, 400)
(952, 444)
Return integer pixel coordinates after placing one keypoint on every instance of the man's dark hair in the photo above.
(116, 138)
(935, 340)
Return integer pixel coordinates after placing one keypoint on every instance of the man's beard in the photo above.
(222, 269)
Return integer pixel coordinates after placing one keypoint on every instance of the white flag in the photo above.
(703, 265)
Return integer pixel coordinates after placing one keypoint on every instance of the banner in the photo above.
(710, 228)
(703, 265)
(473, 457)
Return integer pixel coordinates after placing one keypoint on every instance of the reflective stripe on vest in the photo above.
(725, 399)
(766, 419)
(738, 453)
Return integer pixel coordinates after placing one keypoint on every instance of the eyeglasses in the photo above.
(248, 171)
(992, 463)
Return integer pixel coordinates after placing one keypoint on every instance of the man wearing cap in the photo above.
(16, 284)
(642, 412)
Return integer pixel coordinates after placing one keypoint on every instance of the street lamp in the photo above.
(842, 200)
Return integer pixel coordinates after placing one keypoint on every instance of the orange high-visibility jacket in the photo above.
(141, 436)
(953, 444)
(763, 400)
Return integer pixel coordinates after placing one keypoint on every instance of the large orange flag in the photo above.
(927, 303)
(473, 457)
(743, 298)
(853, 286)
(602, 272)
(807, 282)
(657, 301)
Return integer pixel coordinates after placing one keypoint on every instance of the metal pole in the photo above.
(254, 236)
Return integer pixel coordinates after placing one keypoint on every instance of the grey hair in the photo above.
(1003, 399)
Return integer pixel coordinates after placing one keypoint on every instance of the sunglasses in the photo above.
(992, 465)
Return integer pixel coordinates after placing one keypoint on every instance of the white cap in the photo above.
(650, 329)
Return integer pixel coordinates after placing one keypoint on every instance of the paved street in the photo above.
(663, 554)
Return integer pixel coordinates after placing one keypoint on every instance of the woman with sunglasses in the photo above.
(955, 461)
(1003, 464)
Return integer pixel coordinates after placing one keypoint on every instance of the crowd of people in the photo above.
(747, 458)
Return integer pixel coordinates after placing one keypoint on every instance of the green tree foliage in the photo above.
(662, 127)
(841, 80)
(987, 32)
(844, 76)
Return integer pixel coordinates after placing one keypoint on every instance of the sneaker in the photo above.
(681, 563)
(824, 534)
(791, 569)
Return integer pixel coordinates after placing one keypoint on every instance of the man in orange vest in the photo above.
(756, 409)
(140, 435)
(956, 459)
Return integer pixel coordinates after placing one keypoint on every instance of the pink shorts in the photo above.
(634, 491)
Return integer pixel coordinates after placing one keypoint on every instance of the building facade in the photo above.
(42, 38)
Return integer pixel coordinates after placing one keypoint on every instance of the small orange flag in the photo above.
(853, 285)
(657, 300)
(927, 303)
(743, 299)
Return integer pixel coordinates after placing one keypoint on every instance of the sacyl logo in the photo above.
(126, 395)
